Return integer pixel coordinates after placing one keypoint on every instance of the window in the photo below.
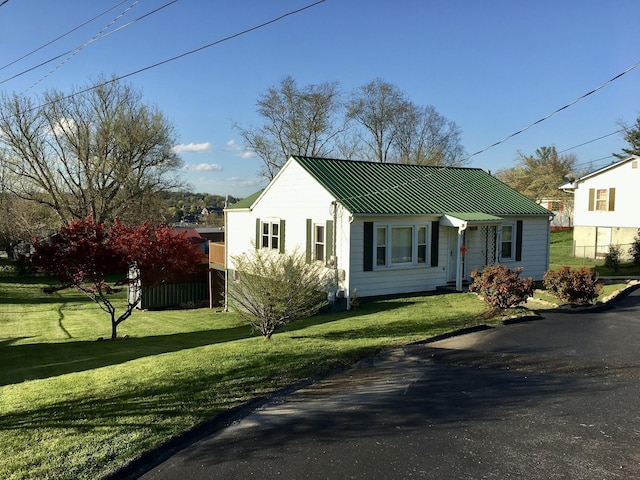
(397, 245)
(270, 235)
(381, 246)
(422, 244)
(601, 200)
(319, 247)
(401, 244)
(507, 242)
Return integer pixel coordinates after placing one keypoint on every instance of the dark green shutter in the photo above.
(435, 239)
(368, 246)
(258, 234)
(519, 240)
(309, 250)
(328, 240)
(281, 236)
(592, 197)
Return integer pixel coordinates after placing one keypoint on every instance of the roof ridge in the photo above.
(390, 164)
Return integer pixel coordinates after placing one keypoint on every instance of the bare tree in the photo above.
(97, 151)
(424, 137)
(377, 106)
(298, 121)
(397, 130)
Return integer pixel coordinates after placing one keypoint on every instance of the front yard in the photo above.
(75, 407)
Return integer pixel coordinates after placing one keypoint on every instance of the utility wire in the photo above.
(633, 67)
(591, 141)
(94, 39)
(61, 36)
(182, 55)
(86, 44)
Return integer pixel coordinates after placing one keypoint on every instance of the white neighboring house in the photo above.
(606, 208)
(384, 229)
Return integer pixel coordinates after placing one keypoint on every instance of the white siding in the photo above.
(625, 179)
(389, 281)
(295, 198)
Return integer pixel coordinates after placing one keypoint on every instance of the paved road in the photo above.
(553, 398)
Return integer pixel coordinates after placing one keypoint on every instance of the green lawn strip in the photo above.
(77, 408)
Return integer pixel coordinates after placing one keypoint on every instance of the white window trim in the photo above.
(389, 226)
(606, 200)
(512, 258)
(270, 235)
(323, 242)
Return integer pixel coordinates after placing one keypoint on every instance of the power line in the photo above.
(61, 36)
(582, 97)
(591, 141)
(86, 44)
(182, 55)
(77, 49)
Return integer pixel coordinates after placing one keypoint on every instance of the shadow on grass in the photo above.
(44, 360)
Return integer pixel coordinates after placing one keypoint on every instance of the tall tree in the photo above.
(539, 176)
(82, 253)
(377, 106)
(632, 137)
(425, 137)
(97, 151)
(397, 130)
(297, 121)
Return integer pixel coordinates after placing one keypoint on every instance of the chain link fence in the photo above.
(588, 255)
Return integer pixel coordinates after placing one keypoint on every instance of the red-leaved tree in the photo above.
(82, 253)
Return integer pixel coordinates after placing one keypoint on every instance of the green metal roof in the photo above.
(474, 216)
(392, 188)
(245, 202)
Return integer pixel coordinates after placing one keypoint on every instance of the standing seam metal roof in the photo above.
(391, 188)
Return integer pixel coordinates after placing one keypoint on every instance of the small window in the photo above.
(507, 242)
(381, 246)
(319, 237)
(422, 244)
(601, 200)
(271, 235)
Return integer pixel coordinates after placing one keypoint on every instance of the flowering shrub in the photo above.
(501, 287)
(579, 286)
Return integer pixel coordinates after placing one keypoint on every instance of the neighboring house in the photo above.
(390, 228)
(562, 212)
(606, 208)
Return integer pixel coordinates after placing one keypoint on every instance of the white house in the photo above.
(391, 228)
(606, 208)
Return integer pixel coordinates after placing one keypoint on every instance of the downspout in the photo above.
(334, 241)
(459, 264)
(348, 289)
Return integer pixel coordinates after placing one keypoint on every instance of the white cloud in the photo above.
(192, 147)
(232, 145)
(245, 182)
(206, 167)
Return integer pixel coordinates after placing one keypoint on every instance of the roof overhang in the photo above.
(465, 219)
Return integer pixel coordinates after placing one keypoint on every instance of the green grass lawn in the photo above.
(72, 407)
(561, 253)
(75, 407)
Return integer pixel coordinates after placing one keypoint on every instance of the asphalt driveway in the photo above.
(553, 398)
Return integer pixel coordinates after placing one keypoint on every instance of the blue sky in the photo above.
(493, 67)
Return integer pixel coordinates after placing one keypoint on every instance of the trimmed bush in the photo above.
(612, 259)
(579, 286)
(501, 287)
